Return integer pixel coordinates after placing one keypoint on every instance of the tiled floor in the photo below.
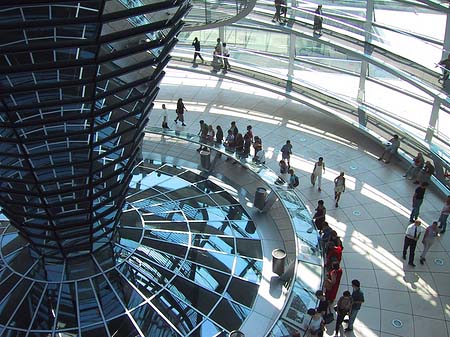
(373, 212)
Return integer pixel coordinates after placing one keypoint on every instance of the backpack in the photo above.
(345, 304)
(296, 182)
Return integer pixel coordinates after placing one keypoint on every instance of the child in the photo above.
(164, 121)
(317, 324)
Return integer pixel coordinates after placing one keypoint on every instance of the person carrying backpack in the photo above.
(293, 179)
(343, 308)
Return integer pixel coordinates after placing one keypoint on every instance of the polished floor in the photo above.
(373, 212)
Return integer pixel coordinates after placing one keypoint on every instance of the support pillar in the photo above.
(433, 120)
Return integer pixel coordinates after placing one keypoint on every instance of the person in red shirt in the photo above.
(332, 283)
(334, 255)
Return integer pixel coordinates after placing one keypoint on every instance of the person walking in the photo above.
(318, 19)
(415, 167)
(319, 216)
(358, 299)
(276, 16)
(444, 215)
(226, 57)
(339, 187)
(429, 237)
(203, 133)
(445, 66)
(412, 235)
(417, 201)
(165, 117)
(390, 149)
(286, 151)
(343, 308)
(319, 169)
(196, 44)
(180, 112)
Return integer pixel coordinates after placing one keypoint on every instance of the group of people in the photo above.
(234, 141)
(221, 55)
(348, 304)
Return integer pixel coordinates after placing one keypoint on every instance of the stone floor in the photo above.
(373, 212)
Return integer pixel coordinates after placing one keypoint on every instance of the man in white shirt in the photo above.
(412, 235)
(226, 55)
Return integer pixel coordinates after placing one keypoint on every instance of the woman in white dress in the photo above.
(319, 169)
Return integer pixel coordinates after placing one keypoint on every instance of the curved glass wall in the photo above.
(373, 64)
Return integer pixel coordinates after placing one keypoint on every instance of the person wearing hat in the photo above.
(358, 299)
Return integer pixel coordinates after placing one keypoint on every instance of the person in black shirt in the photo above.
(417, 201)
(323, 303)
(196, 44)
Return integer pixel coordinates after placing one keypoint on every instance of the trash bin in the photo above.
(260, 198)
(278, 259)
(236, 333)
(205, 159)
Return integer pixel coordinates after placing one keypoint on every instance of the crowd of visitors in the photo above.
(348, 304)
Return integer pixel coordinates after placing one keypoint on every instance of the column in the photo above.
(433, 120)
(292, 41)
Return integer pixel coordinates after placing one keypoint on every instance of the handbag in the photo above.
(313, 179)
(328, 317)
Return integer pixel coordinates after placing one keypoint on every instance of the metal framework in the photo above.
(77, 84)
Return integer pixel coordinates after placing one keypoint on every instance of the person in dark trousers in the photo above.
(196, 44)
(417, 201)
(343, 307)
(412, 235)
(180, 112)
(286, 151)
(318, 19)
(248, 140)
(276, 15)
(203, 132)
(358, 299)
(219, 134)
(445, 66)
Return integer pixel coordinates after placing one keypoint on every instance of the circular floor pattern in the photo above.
(187, 261)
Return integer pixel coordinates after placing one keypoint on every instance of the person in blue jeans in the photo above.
(358, 299)
(417, 201)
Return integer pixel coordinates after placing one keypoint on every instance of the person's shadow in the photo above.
(411, 278)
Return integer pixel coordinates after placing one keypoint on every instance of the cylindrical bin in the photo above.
(236, 333)
(260, 198)
(205, 159)
(278, 259)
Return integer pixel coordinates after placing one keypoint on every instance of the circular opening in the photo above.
(278, 253)
(397, 323)
(439, 262)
